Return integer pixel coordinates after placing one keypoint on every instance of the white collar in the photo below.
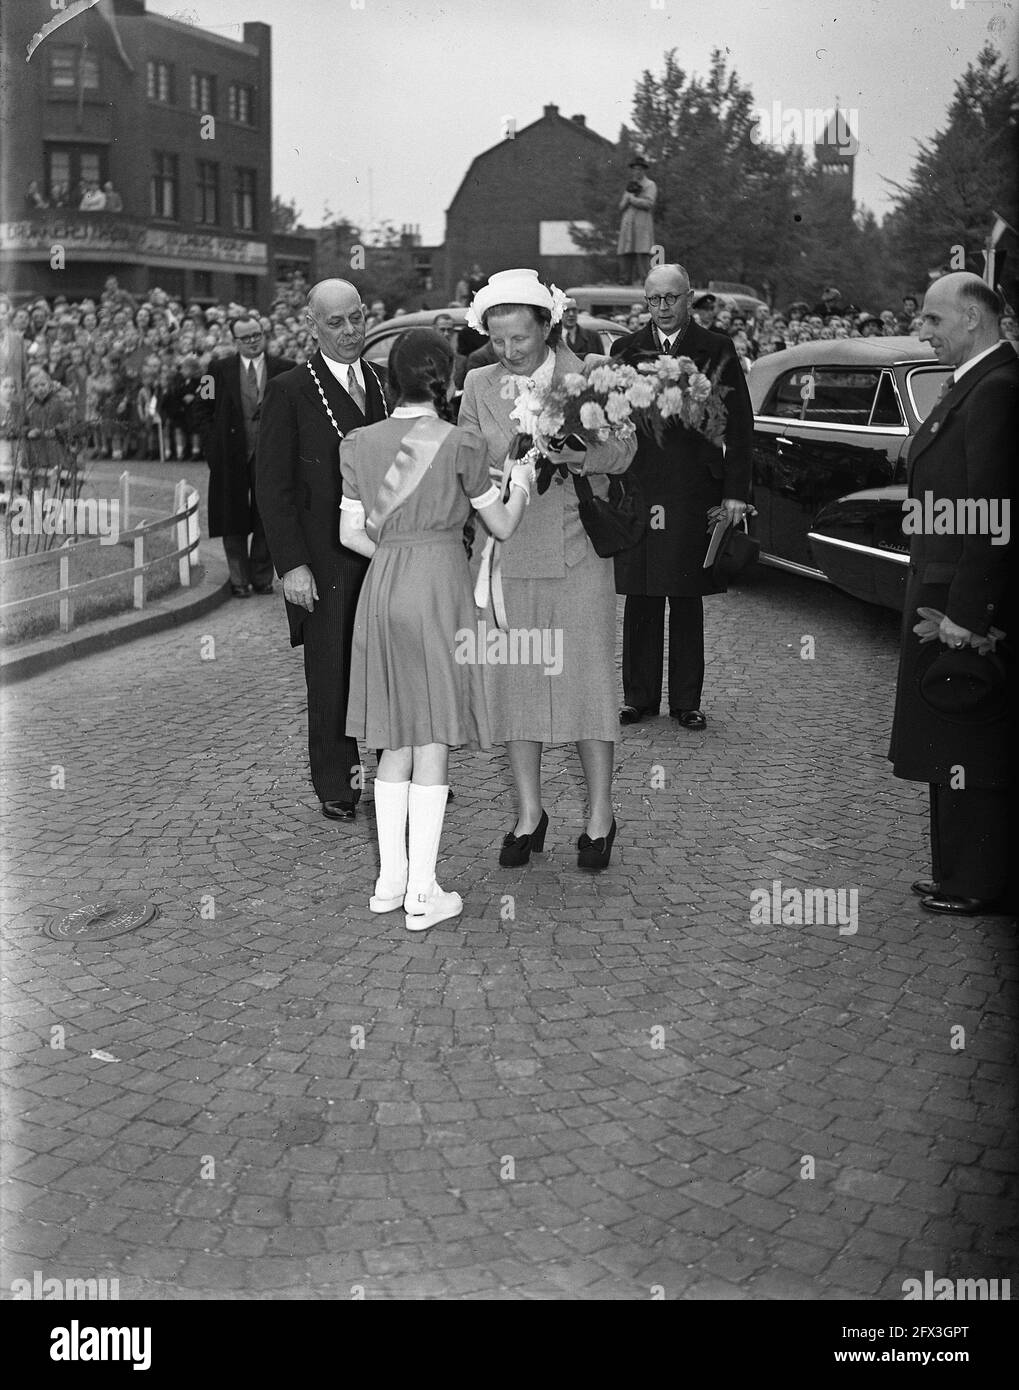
(340, 370)
(259, 361)
(405, 412)
(959, 371)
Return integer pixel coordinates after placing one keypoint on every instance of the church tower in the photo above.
(835, 154)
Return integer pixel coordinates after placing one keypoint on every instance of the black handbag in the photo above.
(737, 551)
(616, 522)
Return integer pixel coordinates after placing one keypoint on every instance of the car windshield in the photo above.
(924, 384)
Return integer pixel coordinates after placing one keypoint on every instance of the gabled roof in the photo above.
(598, 143)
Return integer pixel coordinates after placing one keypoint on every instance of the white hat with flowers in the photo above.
(515, 287)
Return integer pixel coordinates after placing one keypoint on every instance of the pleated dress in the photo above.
(412, 677)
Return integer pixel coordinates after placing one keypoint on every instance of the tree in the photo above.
(726, 200)
(962, 177)
(285, 216)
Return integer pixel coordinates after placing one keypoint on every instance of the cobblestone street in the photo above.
(587, 1087)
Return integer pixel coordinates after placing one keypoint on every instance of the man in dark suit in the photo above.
(306, 413)
(580, 341)
(230, 419)
(959, 467)
(682, 479)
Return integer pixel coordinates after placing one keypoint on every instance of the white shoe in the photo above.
(385, 902)
(423, 910)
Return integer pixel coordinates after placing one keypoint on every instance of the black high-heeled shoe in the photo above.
(595, 854)
(516, 849)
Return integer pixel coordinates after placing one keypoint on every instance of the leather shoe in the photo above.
(925, 888)
(630, 714)
(959, 907)
(689, 718)
(339, 810)
(265, 589)
(241, 590)
(595, 854)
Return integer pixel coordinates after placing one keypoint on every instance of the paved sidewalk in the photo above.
(586, 1087)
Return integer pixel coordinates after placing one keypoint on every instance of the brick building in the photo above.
(176, 118)
(518, 198)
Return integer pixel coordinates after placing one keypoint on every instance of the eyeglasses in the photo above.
(667, 299)
(249, 337)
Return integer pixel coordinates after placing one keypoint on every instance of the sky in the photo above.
(380, 105)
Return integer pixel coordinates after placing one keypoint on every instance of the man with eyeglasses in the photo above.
(307, 411)
(229, 412)
(682, 478)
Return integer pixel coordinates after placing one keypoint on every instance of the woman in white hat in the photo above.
(546, 580)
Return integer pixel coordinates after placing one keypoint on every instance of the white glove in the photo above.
(522, 476)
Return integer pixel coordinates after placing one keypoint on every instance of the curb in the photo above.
(177, 608)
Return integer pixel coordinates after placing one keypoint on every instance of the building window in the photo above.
(203, 93)
(159, 80)
(163, 186)
(244, 289)
(70, 66)
(241, 103)
(69, 168)
(201, 284)
(244, 200)
(206, 193)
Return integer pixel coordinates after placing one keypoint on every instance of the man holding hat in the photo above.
(636, 226)
(950, 727)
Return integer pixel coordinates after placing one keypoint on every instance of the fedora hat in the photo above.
(638, 161)
(960, 684)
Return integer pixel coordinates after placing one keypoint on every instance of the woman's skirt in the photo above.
(553, 678)
(410, 680)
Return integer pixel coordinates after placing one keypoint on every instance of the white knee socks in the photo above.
(426, 903)
(391, 827)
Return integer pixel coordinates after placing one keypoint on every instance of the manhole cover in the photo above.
(100, 921)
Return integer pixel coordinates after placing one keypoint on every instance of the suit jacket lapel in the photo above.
(232, 379)
(952, 399)
(374, 401)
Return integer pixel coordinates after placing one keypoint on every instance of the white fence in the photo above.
(184, 518)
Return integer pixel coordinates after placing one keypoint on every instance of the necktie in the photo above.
(253, 380)
(354, 391)
(947, 385)
(664, 344)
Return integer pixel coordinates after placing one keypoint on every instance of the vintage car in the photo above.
(380, 339)
(832, 424)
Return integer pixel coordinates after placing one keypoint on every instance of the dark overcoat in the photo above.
(686, 475)
(221, 415)
(965, 449)
(299, 486)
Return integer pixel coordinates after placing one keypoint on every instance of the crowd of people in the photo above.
(121, 374)
(755, 334)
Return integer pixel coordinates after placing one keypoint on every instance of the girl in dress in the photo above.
(409, 484)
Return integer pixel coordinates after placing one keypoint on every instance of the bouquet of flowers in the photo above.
(612, 400)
